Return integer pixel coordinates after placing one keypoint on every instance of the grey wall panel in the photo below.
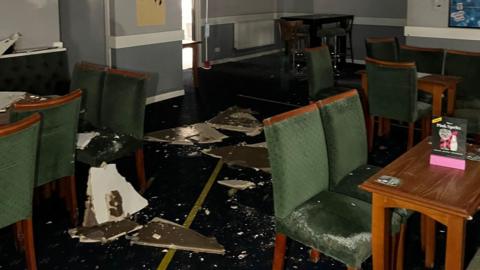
(302, 6)
(222, 35)
(163, 61)
(427, 13)
(453, 44)
(123, 18)
(364, 8)
(223, 8)
(36, 20)
(361, 32)
(83, 31)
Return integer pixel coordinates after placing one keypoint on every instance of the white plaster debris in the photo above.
(234, 206)
(8, 98)
(239, 233)
(350, 241)
(237, 184)
(242, 255)
(83, 139)
(187, 135)
(207, 212)
(110, 193)
(156, 236)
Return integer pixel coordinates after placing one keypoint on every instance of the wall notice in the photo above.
(150, 12)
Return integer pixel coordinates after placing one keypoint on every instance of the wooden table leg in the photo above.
(381, 219)
(455, 243)
(429, 241)
(452, 92)
(437, 103)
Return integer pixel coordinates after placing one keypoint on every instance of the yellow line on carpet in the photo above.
(193, 213)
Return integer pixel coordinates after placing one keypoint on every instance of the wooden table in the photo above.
(446, 195)
(194, 44)
(315, 22)
(434, 84)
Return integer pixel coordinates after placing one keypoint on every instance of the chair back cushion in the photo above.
(58, 135)
(319, 71)
(392, 90)
(382, 48)
(18, 155)
(298, 157)
(123, 103)
(345, 133)
(427, 60)
(40, 74)
(467, 66)
(89, 78)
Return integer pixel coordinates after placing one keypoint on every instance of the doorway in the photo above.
(188, 31)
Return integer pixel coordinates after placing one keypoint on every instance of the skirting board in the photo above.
(165, 96)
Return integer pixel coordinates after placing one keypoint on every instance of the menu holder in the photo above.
(449, 142)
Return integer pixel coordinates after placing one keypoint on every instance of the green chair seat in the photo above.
(349, 184)
(108, 146)
(423, 109)
(473, 118)
(321, 223)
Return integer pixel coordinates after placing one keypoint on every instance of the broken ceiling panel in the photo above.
(110, 197)
(188, 135)
(237, 119)
(104, 232)
(166, 234)
(83, 139)
(237, 184)
(243, 156)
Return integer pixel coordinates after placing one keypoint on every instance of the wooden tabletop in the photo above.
(444, 189)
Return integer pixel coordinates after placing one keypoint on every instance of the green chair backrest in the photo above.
(18, 156)
(345, 133)
(58, 134)
(428, 60)
(392, 90)
(382, 48)
(298, 157)
(89, 78)
(123, 102)
(467, 66)
(319, 71)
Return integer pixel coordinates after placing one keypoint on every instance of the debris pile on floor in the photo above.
(237, 119)
(166, 234)
(237, 184)
(242, 155)
(83, 139)
(188, 135)
(104, 232)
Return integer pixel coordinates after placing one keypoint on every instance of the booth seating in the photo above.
(39, 74)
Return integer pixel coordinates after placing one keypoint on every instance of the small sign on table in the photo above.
(449, 142)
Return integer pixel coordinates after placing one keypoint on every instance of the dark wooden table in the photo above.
(446, 195)
(316, 21)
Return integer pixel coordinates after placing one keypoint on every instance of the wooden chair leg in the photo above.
(386, 127)
(29, 245)
(400, 254)
(411, 129)
(314, 255)
(140, 164)
(279, 253)
(19, 236)
(380, 127)
(70, 186)
(422, 232)
(426, 127)
(393, 249)
(352, 268)
(371, 132)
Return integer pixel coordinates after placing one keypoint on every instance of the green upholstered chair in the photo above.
(58, 136)
(346, 138)
(18, 157)
(122, 113)
(320, 74)
(306, 209)
(89, 78)
(427, 60)
(392, 94)
(382, 48)
(467, 66)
